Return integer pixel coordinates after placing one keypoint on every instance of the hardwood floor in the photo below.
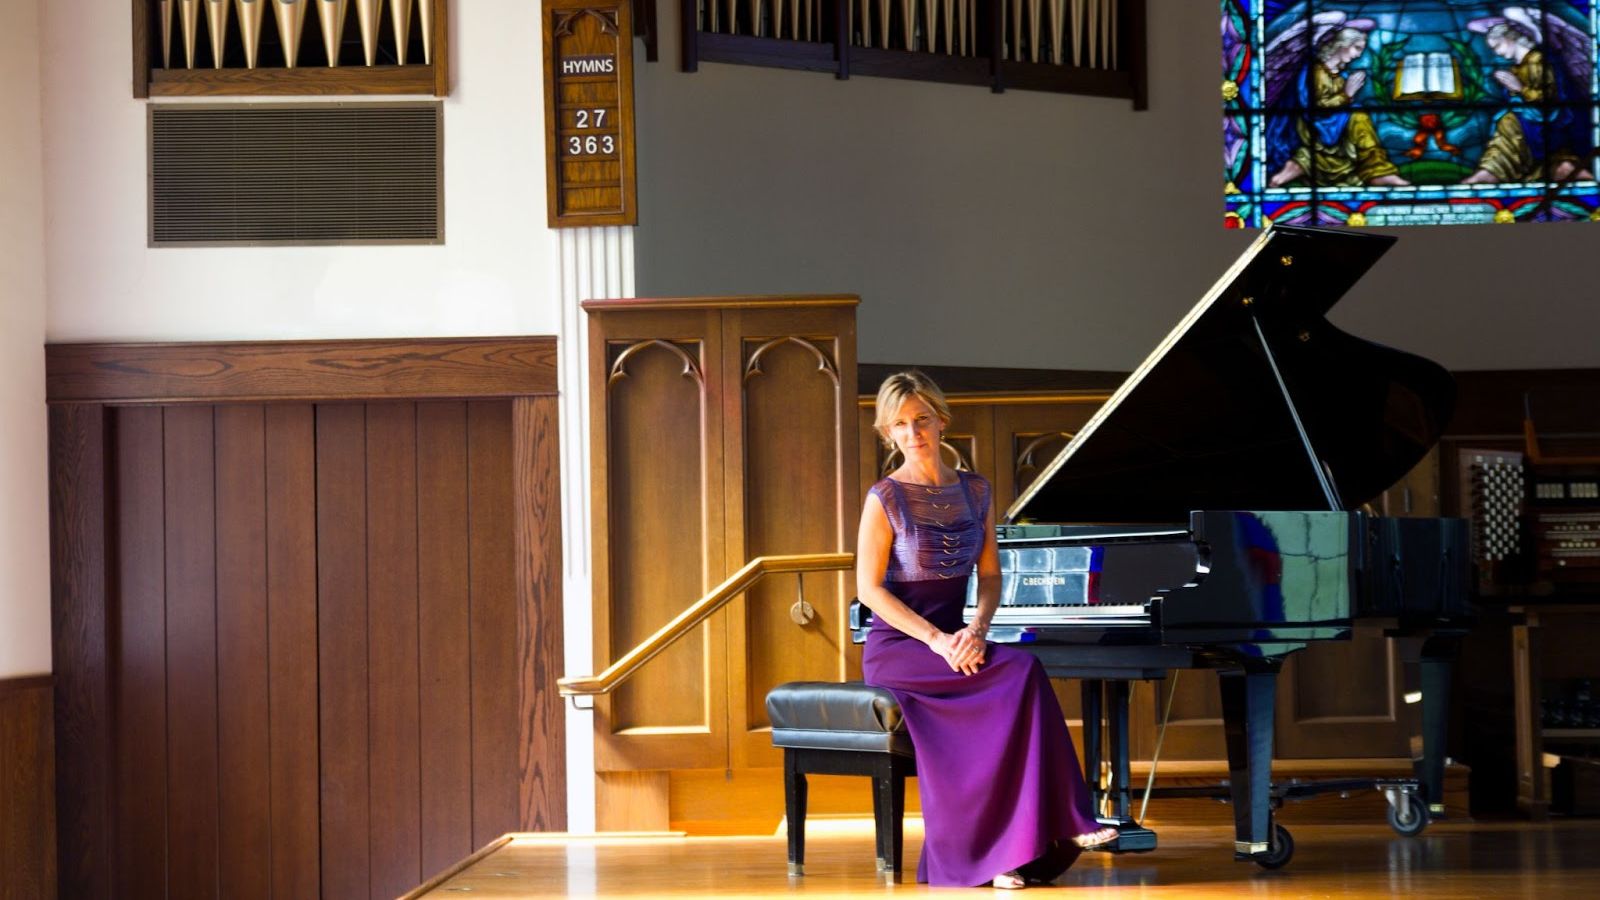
(1449, 860)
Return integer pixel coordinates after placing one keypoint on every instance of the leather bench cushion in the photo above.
(826, 715)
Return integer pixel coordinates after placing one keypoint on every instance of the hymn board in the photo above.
(588, 112)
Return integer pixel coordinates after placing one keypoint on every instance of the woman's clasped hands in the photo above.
(964, 650)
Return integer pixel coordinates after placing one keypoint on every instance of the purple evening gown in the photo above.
(999, 780)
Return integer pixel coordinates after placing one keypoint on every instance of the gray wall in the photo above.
(1037, 230)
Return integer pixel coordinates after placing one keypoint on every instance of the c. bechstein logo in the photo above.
(1038, 580)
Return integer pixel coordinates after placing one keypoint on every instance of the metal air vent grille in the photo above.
(329, 173)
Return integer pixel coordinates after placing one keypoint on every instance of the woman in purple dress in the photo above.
(1000, 784)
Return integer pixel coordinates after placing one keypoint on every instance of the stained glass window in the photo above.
(1409, 112)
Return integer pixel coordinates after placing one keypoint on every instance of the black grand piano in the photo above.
(1234, 462)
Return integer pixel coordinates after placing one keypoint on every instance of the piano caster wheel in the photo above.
(1279, 852)
(1416, 816)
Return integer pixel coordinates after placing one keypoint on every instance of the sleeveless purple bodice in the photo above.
(938, 530)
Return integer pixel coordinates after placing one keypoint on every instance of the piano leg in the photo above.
(1247, 716)
(1108, 700)
(1120, 776)
(1437, 663)
(1092, 712)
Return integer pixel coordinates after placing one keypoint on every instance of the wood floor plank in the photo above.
(1450, 860)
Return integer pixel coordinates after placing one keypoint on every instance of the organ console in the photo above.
(1224, 481)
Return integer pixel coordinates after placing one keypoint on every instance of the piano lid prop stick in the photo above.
(1161, 735)
(217, 22)
(189, 22)
(331, 13)
(291, 17)
(368, 13)
(400, 18)
(250, 12)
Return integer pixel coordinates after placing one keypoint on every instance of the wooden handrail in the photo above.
(737, 583)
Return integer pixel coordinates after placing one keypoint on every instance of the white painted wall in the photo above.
(494, 275)
(1037, 230)
(24, 519)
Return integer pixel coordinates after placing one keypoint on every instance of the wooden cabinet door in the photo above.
(657, 447)
(790, 457)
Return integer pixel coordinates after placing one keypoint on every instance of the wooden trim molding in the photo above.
(24, 683)
(257, 371)
(759, 302)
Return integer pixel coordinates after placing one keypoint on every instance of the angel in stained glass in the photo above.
(1312, 134)
(1537, 138)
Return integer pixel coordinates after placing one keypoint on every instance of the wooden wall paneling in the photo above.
(789, 414)
(1026, 439)
(444, 657)
(138, 511)
(494, 620)
(79, 651)
(541, 714)
(1194, 728)
(1343, 698)
(244, 799)
(27, 788)
(244, 371)
(193, 825)
(289, 451)
(393, 686)
(869, 449)
(656, 442)
(342, 648)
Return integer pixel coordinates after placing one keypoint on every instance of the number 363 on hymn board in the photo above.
(588, 112)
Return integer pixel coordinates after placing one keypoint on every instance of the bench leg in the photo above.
(794, 802)
(888, 812)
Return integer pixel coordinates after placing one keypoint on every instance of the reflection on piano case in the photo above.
(1236, 456)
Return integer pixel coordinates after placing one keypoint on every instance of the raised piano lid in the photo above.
(1202, 424)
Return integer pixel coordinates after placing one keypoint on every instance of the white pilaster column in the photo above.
(596, 263)
(24, 503)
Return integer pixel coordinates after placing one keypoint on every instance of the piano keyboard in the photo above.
(1109, 615)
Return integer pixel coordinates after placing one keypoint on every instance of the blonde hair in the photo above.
(900, 387)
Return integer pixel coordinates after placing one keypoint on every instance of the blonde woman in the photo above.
(1003, 799)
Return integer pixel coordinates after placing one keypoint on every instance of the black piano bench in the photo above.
(826, 728)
